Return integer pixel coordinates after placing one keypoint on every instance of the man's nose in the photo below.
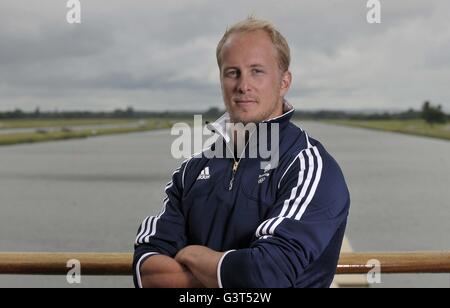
(243, 85)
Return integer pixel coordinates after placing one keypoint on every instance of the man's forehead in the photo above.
(257, 37)
(252, 49)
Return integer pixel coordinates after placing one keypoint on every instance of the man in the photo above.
(227, 222)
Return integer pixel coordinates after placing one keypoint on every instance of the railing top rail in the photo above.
(119, 264)
(395, 262)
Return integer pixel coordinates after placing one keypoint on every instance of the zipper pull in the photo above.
(235, 168)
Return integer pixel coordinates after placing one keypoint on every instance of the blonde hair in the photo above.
(253, 24)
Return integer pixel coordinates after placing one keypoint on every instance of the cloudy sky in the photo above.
(160, 55)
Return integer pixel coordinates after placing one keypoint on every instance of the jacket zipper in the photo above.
(235, 168)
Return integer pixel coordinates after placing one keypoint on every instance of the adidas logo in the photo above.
(266, 174)
(204, 175)
(268, 168)
(263, 177)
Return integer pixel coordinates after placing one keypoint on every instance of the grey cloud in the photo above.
(161, 54)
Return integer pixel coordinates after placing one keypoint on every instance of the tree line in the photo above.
(429, 112)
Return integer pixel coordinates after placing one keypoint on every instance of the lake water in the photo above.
(90, 195)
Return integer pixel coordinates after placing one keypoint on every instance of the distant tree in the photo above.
(433, 114)
(17, 114)
(213, 112)
(129, 112)
(37, 112)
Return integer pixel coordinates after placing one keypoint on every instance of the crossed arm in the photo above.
(193, 267)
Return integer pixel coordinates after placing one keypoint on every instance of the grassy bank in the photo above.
(37, 123)
(16, 138)
(411, 127)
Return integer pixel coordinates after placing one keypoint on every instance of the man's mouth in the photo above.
(245, 102)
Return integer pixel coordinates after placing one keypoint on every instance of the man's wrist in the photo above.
(184, 256)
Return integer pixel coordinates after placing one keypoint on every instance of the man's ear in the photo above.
(286, 80)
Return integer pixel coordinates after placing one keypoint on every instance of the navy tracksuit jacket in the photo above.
(281, 228)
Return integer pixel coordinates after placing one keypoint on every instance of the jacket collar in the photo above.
(220, 125)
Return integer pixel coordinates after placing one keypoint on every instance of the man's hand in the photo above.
(164, 272)
(202, 262)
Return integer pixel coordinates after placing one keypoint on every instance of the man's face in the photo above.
(252, 83)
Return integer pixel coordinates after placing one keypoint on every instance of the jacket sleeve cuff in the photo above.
(139, 264)
(219, 267)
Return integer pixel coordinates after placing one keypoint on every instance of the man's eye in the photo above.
(257, 71)
(231, 74)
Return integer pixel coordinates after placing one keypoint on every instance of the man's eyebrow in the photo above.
(237, 68)
(226, 68)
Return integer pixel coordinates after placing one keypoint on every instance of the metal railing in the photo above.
(120, 264)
